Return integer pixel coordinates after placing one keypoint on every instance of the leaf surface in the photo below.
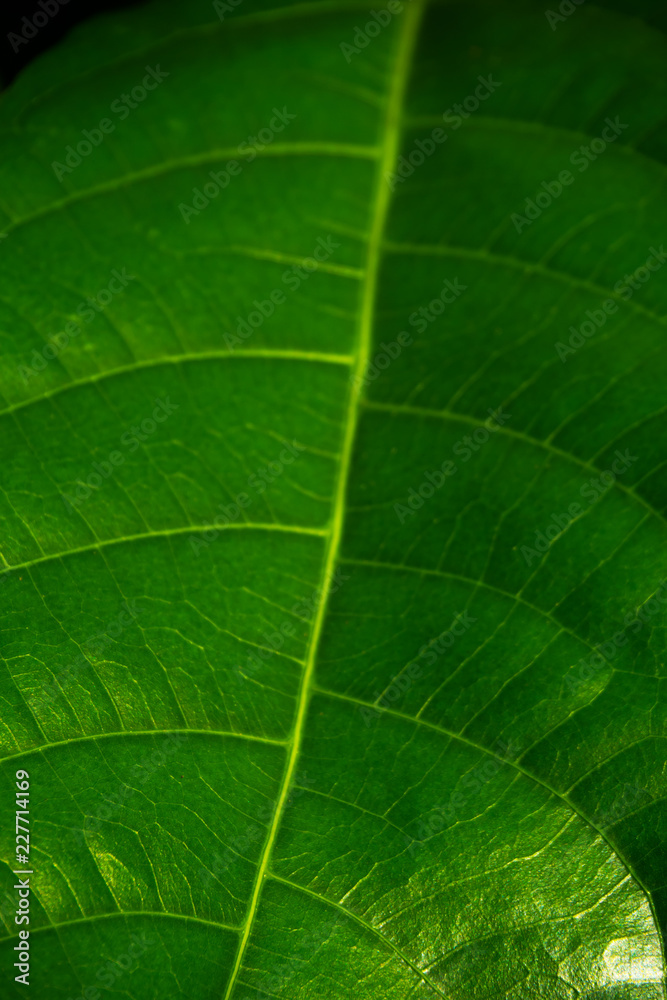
(324, 687)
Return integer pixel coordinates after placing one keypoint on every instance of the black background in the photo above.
(69, 14)
(653, 12)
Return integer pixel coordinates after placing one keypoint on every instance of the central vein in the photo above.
(389, 151)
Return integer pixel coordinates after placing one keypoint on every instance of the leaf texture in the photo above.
(324, 687)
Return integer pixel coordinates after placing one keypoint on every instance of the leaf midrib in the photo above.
(398, 75)
(416, 411)
(334, 539)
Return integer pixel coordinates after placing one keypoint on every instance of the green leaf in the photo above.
(333, 503)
